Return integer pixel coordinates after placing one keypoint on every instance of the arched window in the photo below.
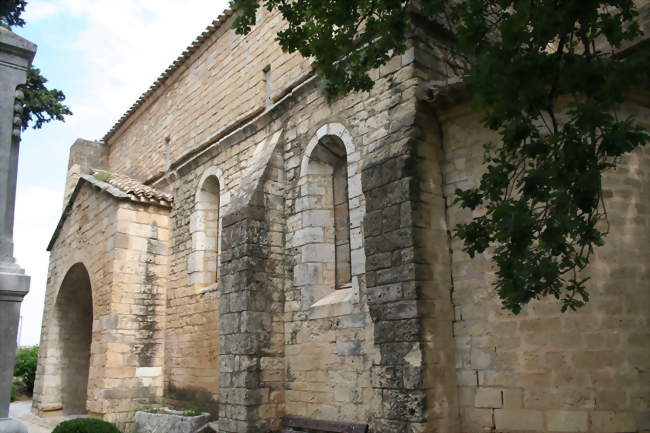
(205, 228)
(330, 209)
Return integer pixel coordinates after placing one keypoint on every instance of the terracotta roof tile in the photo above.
(133, 188)
(117, 186)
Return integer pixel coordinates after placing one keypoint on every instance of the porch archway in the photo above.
(74, 315)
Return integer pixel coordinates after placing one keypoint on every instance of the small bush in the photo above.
(85, 425)
(17, 388)
(13, 395)
(26, 361)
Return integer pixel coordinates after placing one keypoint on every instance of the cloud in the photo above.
(39, 10)
(124, 48)
(37, 213)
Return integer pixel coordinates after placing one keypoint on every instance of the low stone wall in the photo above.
(166, 420)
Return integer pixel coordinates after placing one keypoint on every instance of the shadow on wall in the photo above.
(74, 314)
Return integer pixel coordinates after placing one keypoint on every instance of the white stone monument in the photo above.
(16, 55)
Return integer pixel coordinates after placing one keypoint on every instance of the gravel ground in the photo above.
(22, 410)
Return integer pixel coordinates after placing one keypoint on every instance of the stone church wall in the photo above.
(543, 370)
(329, 350)
(90, 247)
(224, 81)
(256, 304)
(192, 338)
(121, 245)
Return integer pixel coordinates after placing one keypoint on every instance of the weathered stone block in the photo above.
(567, 421)
(518, 419)
(488, 397)
(610, 421)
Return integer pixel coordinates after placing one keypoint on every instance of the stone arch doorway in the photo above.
(74, 315)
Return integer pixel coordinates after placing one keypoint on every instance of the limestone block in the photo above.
(195, 261)
(201, 278)
(356, 216)
(477, 417)
(312, 189)
(307, 235)
(566, 421)
(317, 252)
(317, 218)
(356, 238)
(358, 259)
(512, 398)
(201, 242)
(481, 358)
(354, 185)
(148, 371)
(518, 419)
(197, 221)
(488, 397)
(611, 422)
(308, 273)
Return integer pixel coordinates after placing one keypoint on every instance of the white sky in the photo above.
(103, 54)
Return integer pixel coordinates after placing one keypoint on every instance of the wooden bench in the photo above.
(295, 424)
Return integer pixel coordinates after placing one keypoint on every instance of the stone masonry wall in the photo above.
(331, 342)
(222, 82)
(192, 338)
(89, 244)
(136, 325)
(191, 321)
(416, 342)
(543, 370)
(329, 351)
(124, 250)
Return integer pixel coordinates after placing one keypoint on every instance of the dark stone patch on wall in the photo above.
(191, 398)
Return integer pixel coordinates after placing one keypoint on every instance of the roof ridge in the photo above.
(130, 186)
(175, 65)
(114, 190)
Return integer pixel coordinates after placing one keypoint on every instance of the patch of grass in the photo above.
(182, 412)
(192, 412)
(152, 410)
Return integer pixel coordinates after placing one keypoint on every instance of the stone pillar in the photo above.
(409, 301)
(84, 155)
(16, 55)
(251, 329)
(245, 321)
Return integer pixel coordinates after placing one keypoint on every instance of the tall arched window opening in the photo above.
(341, 212)
(205, 227)
(326, 214)
(329, 209)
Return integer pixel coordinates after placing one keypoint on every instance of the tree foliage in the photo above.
(547, 75)
(40, 105)
(363, 32)
(25, 368)
(85, 425)
(10, 11)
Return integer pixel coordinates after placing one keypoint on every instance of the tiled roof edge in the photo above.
(123, 186)
(104, 186)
